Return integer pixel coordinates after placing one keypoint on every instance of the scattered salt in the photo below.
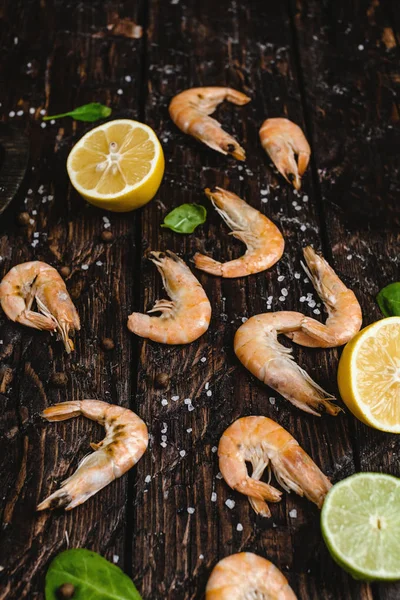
(282, 298)
(164, 402)
(214, 449)
(36, 235)
(360, 47)
(284, 292)
(293, 513)
(219, 475)
(32, 110)
(190, 407)
(281, 277)
(99, 263)
(84, 267)
(303, 228)
(203, 359)
(182, 453)
(305, 198)
(189, 430)
(209, 393)
(164, 438)
(188, 401)
(11, 114)
(316, 311)
(115, 558)
(42, 112)
(271, 400)
(147, 479)
(297, 275)
(20, 113)
(43, 125)
(163, 444)
(244, 319)
(201, 556)
(174, 398)
(190, 510)
(213, 497)
(120, 92)
(128, 78)
(239, 527)
(349, 256)
(230, 503)
(207, 385)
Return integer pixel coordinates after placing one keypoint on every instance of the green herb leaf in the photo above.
(91, 575)
(389, 300)
(88, 112)
(185, 218)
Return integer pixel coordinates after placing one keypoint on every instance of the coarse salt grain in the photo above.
(189, 430)
(11, 114)
(20, 113)
(32, 110)
(316, 311)
(188, 401)
(271, 400)
(213, 497)
(164, 402)
(98, 263)
(349, 256)
(207, 385)
(128, 78)
(209, 393)
(182, 453)
(163, 444)
(115, 558)
(190, 407)
(164, 438)
(203, 359)
(239, 527)
(84, 267)
(281, 277)
(305, 198)
(43, 125)
(120, 92)
(190, 510)
(219, 475)
(230, 503)
(360, 47)
(284, 292)
(293, 513)
(297, 275)
(147, 479)
(36, 235)
(174, 398)
(244, 319)
(214, 449)
(42, 112)
(282, 298)
(303, 228)
(201, 556)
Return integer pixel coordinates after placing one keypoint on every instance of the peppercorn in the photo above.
(65, 271)
(161, 380)
(107, 344)
(65, 591)
(59, 379)
(107, 236)
(23, 219)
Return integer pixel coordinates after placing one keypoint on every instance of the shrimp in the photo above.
(189, 111)
(186, 316)
(262, 442)
(282, 140)
(344, 312)
(125, 443)
(257, 347)
(263, 239)
(38, 281)
(247, 576)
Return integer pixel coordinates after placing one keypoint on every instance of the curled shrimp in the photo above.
(256, 346)
(263, 443)
(247, 576)
(39, 282)
(282, 140)
(125, 443)
(263, 239)
(186, 316)
(190, 111)
(344, 311)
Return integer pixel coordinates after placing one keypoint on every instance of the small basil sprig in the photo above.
(88, 112)
(82, 574)
(185, 218)
(389, 300)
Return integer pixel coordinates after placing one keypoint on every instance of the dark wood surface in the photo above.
(332, 67)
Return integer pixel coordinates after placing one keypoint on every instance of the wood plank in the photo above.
(249, 47)
(58, 61)
(349, 74)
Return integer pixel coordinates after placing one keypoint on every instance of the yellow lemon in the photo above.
(369, 375)
(118, 165)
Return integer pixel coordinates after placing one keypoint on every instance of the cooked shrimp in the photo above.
(344, 312)
(38, 281)
(125, 443)
(263, 239)
(186, 316)
(262, 442)
(282, 140)
(257, 347)
(247, 576)
(190, 111)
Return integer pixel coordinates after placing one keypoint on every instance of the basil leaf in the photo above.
(88, 112)
(389, 300)
(185, 218)
(91, 575)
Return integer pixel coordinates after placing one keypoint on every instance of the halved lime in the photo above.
(360, 524)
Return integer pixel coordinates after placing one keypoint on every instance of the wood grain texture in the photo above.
(298, 60)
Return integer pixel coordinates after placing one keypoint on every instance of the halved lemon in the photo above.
(369, 375)
(118, 165)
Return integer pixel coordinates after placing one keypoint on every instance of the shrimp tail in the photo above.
(59, 499)
(207, 264)
(257, 492)
(62, 411)
(260, 507)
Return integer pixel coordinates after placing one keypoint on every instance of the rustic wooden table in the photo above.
(331, 67)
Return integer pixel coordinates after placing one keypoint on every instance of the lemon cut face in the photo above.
(118, 165)
(369, 375)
